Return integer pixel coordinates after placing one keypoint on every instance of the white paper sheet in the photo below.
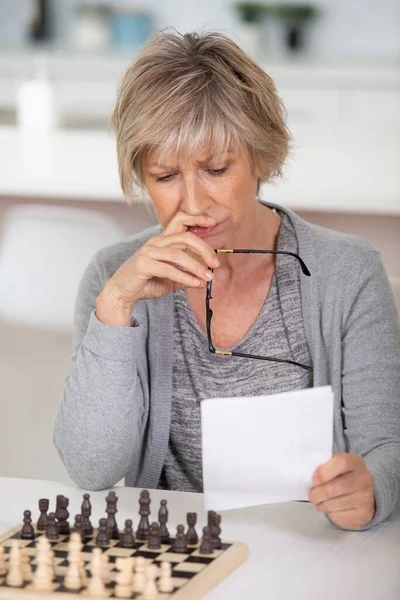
(264, 449)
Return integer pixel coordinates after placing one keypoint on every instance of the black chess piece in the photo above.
(206, 545)
(86, 511)
(191, 534)
(163, 519)
(143, 529)
(216, 531)
(102, 538)
(27, 532)
(112, 527)
(52, 532)
(180, 543)
(41, 525)
(78, 527)
(154, 541)
(62, 514)
(128, 538)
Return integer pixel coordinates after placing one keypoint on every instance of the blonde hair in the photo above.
(184, 91)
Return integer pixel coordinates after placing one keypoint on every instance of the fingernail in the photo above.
(208, 275)
(216, 262)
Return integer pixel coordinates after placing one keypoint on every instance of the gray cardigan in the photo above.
(113, 420)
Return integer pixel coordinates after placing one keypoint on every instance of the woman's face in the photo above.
(223, 187)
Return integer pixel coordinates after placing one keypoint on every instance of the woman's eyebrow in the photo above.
(206, 161)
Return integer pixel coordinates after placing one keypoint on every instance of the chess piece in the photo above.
(153, 541)
(27, 532)
(163, 519)
(45, 550)
(86, 512)
(26, 569)
(206, 546)
(78, 526)
(102, 538)
(139, 577)
(43, 576)
(191, 534)
(124, 577)
(112, 527)
(96, 587)
(215, 532)
(41, 525)
(14, 575)
(180, 543)
(3, 568)
(52, 528)
(144, 511)
(106, 570)
(165, 582)
(128, 539)
(62, 514)
(73, 576)
(150, 591)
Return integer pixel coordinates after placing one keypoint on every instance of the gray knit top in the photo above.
(196, 374)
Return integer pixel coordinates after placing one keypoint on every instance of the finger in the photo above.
(337, 465)
(181, 259)
(154, 268)
(189, 241)
(341, 503)
(181, 221)
(350, 519)
(344, 484)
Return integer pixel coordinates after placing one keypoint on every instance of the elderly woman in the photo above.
(199, 126)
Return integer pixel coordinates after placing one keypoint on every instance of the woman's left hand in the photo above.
(344, 489)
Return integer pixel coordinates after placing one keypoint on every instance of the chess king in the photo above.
(199, 128)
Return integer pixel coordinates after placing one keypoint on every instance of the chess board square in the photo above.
(136, 546)
(144, 554)
(22, 543)
(61, 553)
(17, 536)
(61, 546)
(214, 554)
(172, 557)
(163, 548)
(120, 551)
(200, 560)
(111, 543)
(190, 567)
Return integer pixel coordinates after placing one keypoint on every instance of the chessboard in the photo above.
(193, 573)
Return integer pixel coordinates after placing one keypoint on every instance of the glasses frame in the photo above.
(209, 313)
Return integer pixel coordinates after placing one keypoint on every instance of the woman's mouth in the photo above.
(203, 231)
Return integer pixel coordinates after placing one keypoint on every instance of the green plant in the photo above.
(250, 12)
(295, 12)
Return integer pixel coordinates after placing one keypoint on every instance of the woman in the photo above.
(199, 126)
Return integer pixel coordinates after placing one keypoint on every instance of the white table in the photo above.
(295, 554)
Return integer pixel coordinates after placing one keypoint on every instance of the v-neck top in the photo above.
(277, 332)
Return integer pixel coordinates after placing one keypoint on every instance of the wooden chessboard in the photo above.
(193, 574)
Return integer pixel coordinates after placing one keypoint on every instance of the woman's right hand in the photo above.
(165, 263)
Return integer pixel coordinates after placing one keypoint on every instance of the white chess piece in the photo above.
(124, 578)
(165, 582)
(3, 568)
(139, 577)
(73, 579)
(42, 578)
(106, 572)
(96, 587)
(14, 575)
(150, 591)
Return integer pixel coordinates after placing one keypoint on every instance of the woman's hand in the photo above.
(344, 489)
(165, 263)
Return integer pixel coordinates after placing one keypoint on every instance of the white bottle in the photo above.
(36, 102)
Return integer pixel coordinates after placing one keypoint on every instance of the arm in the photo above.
(101, 412)
(371, 384)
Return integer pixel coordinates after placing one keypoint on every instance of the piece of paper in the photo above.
(264, 449)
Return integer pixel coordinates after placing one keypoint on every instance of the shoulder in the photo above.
(110, 258)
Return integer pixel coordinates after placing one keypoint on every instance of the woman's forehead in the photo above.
(204, 155)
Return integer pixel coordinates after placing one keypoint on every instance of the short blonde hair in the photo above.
(184, 91)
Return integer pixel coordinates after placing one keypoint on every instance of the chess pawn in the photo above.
(78, 527)
(102, 538)
(62, 514)
(150, 591)
(123, 579)
(27, 532)
(139, 576)
(75, 576)
(154, 542)
(165, 582)
(106, 571)
(96, 587)
(216, 531)
(206, 546)
(52, 528)
(128, 539)
(180, 544)
(41, 525)
(26, 569)
(3, 568)
(14, 575)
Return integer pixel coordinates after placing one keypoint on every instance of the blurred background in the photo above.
(336, 64)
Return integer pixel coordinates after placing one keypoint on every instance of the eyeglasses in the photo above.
(209, 312)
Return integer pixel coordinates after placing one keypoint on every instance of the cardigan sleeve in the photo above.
(371, 383)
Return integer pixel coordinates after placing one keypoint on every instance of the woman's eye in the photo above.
(165, 178)
(213, 172)
(217, 172)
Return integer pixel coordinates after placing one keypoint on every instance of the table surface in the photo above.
(295, 553)
(332, 167)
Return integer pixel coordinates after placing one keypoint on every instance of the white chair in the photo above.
(44, 251)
